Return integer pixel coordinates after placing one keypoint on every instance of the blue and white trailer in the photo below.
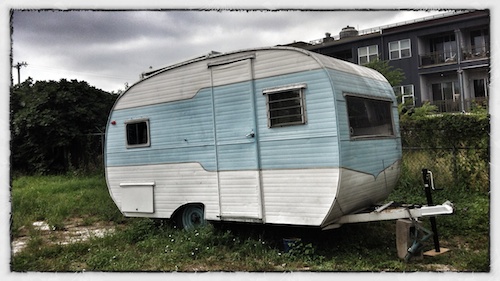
(274, 135)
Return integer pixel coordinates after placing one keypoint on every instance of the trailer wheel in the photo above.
(191, 216)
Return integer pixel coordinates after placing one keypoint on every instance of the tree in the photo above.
(52, 124)
(394, 76)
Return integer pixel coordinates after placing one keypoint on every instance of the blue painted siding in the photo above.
(369, 155)
(182, 131)
(312, 145)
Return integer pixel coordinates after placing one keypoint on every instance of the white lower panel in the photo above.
(359, 190)
(289, 196)
(175, 185)
(240, 194)
(299, 196)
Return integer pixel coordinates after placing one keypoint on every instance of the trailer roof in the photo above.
(326, 61)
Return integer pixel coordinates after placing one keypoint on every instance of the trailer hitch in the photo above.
(417, 244)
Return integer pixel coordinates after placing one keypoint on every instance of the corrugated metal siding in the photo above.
(373, 151)
(359, 190)
(180, 132)
(299, 196)
(300, 164)
(240, 194)
(176, 84)
(370, 167)
(175, 185)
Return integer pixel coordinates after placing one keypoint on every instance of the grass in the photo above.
(59, 198)
(156, 245)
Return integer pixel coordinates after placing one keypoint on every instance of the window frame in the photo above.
(300, 88)
(399, 49)
(390, 105)
(368, 54)
(148, 134)
(404, 94)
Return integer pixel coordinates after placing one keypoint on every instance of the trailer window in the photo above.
(369, 117)
(285, 105)
(137, 133)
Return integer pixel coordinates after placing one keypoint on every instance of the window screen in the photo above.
(369, 117)
(285, 106)
(137, 133)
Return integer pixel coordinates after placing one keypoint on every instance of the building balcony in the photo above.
(476, 52)
(454, 105)
(436, 58)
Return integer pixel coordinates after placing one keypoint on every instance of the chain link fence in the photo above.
(452, 167)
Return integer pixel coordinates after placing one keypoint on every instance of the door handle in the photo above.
(250, 135)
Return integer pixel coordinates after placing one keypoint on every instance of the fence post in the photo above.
(455, 166)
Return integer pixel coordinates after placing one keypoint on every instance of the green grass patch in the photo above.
(55, 199)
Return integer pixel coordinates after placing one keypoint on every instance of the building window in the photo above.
(405, 94)
(444, 48)
(399, 49)
(137, 133)
(367, 54)
(368, 117)
(479, 45)
(446, 96)
(480, 88)
(285, 105)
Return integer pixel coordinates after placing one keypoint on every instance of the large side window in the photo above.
(285, 105)
(137, 133)
(369, 117)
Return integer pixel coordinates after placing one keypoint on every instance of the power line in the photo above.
(18, 66)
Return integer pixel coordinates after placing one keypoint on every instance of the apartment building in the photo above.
(445, 58)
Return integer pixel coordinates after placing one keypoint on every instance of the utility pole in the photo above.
(18, 66)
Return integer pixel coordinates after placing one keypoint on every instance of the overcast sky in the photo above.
(110, 48)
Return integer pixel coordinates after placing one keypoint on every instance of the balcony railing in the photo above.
(447, 105)
(476, 52)
(438, 58)
(454, 105)
(470, 53)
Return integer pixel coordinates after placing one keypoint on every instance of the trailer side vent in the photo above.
(285, 105)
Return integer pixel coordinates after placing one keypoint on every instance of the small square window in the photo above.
(285, 106)
(137, 133)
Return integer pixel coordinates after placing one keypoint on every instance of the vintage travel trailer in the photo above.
(274, 135)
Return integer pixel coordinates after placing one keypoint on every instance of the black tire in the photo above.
(190, 217)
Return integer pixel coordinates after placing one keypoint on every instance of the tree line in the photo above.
(57, 126)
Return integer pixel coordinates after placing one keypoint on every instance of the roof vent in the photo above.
(328, 37)
(348, 31)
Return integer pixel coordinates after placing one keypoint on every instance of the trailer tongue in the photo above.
(410, 215)
(393, 211)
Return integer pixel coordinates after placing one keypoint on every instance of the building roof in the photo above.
(445, 18)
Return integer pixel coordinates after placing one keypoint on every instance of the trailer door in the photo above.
(236, 139)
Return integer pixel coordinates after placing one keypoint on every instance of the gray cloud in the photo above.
(109, 48)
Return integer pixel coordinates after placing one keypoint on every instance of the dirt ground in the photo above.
(74, 231)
